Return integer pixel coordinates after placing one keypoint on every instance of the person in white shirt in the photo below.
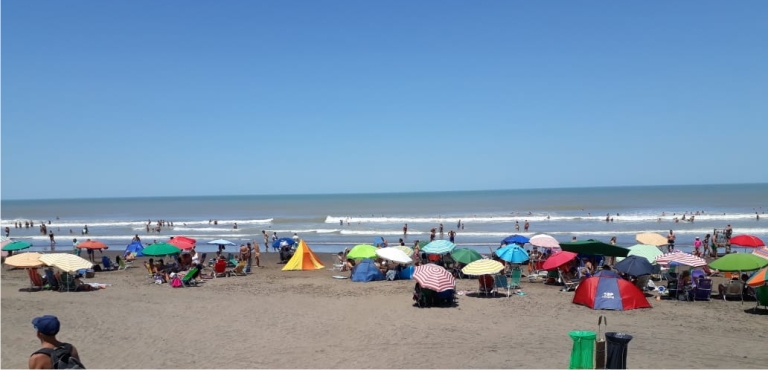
(295, 237)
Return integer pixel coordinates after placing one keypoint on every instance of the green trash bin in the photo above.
(583, 352)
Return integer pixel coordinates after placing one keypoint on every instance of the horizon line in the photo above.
(383, 193)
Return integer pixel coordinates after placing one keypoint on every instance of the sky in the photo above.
(158, 98)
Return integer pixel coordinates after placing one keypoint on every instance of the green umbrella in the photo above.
(595, 247)
(649, 252)
(465, 255)
(19, 245)
(738, 262)
(362, 251)
(160, 249)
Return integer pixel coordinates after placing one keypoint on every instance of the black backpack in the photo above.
(61, 357)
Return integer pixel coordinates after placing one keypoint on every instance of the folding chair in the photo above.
(502, 282)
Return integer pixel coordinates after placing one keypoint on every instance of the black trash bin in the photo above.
(617, 350)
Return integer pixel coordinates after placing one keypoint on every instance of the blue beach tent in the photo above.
(366, 271)
(134, 247)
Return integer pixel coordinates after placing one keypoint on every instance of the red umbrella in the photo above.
(186, 239)
(558, 259)
(747, 241)
(180, 243)
(92, 244)
(431, 276)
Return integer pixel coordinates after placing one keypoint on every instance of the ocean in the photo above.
(330, 223)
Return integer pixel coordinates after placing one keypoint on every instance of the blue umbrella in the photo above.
(516, 239)
(221, 242)
(634, 266)
(513, 254)
(282, 241)
(439, 247)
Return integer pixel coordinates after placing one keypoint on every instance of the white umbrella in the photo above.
(544, 241)
(393, 254)
(65, 261)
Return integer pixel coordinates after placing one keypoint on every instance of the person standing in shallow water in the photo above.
(526, 225)
(671, 241)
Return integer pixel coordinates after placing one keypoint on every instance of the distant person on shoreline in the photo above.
(451, 236)
(405, 229)
(671, 241)
(526, 225)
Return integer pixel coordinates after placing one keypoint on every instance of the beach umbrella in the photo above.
(681, 258)
(558, 259)
(393, 254)
(746, 241)
(407, 250)
(92, 244)
(362, 251)
(24, 260)
(738, 262)
(609, 293)
(761, 252)
(465, 255)
(595, 247)
(439, 247)
(160, 249)
(16, 246)
(185, 239)
(544, 241)
(283, 242)
(434, 277)
(635, 266)
(649, 252)
(759, 279)
(181, 243)
(483, 267)
(651, 239)
(512, 253)
(516, 239)
(221, 242)
(65, 261)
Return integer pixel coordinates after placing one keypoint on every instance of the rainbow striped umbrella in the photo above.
(681, 258)
(431, 276)
(761, 252)
(760, 278)
(407, 250)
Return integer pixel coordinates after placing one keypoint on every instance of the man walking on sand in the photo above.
(53, 354)
(266, 241)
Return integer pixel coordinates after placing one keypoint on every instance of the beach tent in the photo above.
(609, 293)
(303, 259)
(366, 271)
(134, 247)
(595, 247)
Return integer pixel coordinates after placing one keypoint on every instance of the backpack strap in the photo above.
(45, 351)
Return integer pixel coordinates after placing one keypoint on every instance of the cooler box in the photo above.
(406, 273)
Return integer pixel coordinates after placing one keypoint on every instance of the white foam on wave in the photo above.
(136, 224)
(638, 217)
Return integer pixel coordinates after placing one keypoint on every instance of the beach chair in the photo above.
(486, 283)
(672, 289)
(735, 288)
(761, 297)
(107, 263)
(35, 280)
(232, 261)
(569, 283)
(67, 282)
(423, 297)
(515, 277)
(220, 269)
(500, 281)
(121, 265)
(703, 291)
(446, 297)
(656, 272)
(239, 270)
(190, 276)
(50, 277)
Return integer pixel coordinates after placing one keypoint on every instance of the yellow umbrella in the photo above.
(405, 249)
(482, 267)
(65, 261)
(651, 239)
(24, 260)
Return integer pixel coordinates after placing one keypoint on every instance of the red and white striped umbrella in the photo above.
(681, 258)
(761, 252)
(431, 276)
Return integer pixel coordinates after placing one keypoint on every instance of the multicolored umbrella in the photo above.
(24, 260)
(738, 262)
(483, 267)
(16, 246)
(558, 259)
(393, 254)
(512, 253)
(681, 258)
(747, 241)
(761, 252)
(160, 249)
(465, 255)
(92, 244)
(760, 278)
(650, 252)
(362, 251)
(434, 277)
(65, 261)
(407, 250)
(544, 241)
(651, 239)
(439, 247)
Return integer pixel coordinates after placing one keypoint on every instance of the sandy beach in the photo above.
(307, 319)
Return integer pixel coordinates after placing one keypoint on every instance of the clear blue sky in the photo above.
(142, 98)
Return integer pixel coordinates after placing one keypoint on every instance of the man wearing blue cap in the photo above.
(53, 354)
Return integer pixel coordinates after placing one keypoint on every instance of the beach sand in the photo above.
(307, 319)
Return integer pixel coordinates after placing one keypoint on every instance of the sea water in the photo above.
(330, 223)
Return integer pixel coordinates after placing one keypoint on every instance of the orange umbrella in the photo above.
(760, 278)
(92, 244)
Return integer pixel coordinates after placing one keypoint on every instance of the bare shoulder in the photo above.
(40, 361)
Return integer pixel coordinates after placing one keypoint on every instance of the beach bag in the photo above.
(176, 283)
(61, 357)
